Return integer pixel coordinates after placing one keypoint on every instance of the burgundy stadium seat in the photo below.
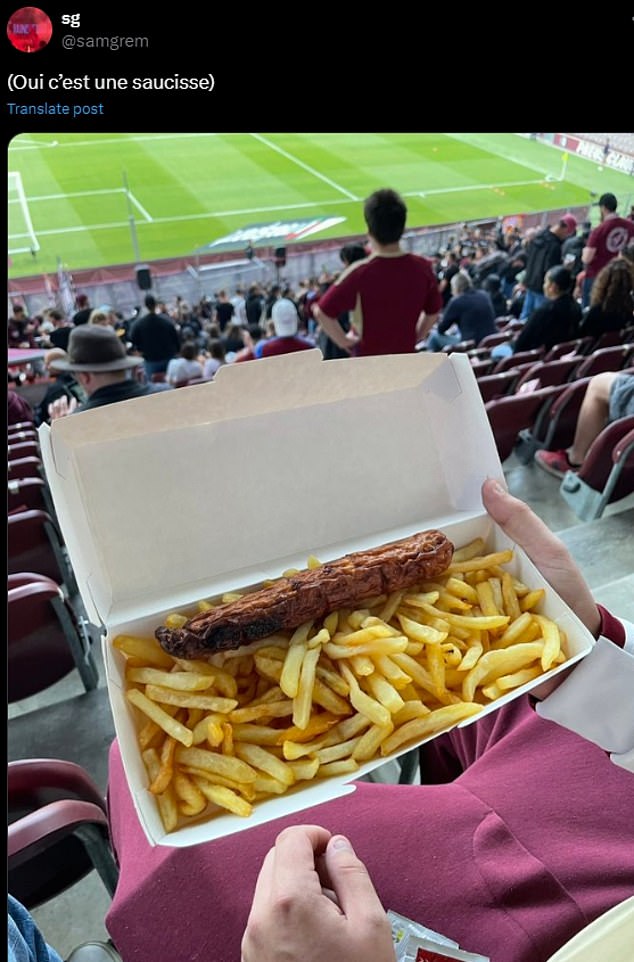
(22, 426)
(520, 358)
(555, 426)
(26, 468)
(23, 449)
(604, 359)
(28, 494)
(497, 385)
(58, 830)
(607, 339)
(460, 348)
(46, 639)
(492, 340)
(509, 415)
(550, 372)
(607, 472)
(482, 366)
(35, 544)
(21, 434)
(577, 346)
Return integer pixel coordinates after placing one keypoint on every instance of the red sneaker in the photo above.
(554, 462)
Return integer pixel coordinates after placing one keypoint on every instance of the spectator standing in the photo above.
(254, 305)
(156, 338)
(604, 242)
(274, 295)
(392, 295)
(492, 284)
(349, 254)
(543, 252)
(469, 309)
(224, 311)
(82, 313)
(240, 306)
(62, 328)
(572, 249)
(516, 264)
(21, 329)
(449, 266)
(286, 341)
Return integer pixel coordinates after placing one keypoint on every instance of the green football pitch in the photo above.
(185, 191)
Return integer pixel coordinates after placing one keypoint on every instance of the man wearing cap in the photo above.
(604, 242)
(544, 252)
(101, 367)
(285, 320)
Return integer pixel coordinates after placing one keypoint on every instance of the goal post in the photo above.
(22, 237)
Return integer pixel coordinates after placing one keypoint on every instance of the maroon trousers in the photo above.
(531, 839)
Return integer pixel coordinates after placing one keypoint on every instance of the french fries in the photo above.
(220, 734)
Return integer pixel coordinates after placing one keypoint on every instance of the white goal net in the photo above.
(22, 237)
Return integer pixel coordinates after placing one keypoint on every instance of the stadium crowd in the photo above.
(563, 282)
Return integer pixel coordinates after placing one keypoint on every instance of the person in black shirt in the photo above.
(542, 253)
(82, 313)
(557, 320)
(224, 311)
(469, 309)
(156, 338)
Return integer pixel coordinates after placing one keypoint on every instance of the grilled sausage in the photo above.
(310, 594)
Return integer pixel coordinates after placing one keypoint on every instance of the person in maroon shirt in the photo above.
(392, 296)
(604, 242)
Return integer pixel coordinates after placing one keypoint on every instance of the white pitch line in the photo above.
(300, 163)
(76, 193)
(97, 141)
(267, 210)
(75, 230)
(205, 215)
(456, 190)
(140, 207)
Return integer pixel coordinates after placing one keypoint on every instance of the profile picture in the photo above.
(29, 29)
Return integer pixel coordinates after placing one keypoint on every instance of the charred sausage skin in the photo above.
(310, 595)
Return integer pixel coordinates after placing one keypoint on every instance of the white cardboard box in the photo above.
(190, 493)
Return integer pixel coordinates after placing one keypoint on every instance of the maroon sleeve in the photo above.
(611, 627)
(340, 296)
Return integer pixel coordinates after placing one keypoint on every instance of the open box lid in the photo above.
(183, 493)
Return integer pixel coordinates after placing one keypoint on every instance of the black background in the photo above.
(311, 69)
